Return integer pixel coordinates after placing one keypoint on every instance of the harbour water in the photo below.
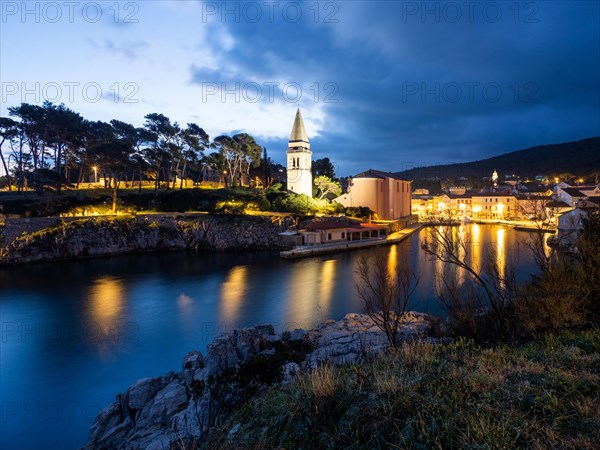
(76, 333)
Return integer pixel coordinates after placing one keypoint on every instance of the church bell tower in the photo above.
(299, 159)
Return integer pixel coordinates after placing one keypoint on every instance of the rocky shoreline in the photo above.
(182, 408)
(92, 237)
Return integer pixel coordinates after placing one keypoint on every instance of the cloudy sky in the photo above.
(386, 85)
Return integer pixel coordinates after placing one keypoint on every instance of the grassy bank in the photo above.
(544, 394)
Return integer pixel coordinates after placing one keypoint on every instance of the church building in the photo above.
(383, 192)
(299, 159)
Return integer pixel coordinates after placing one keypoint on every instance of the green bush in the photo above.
(298, 204)
(360, 212)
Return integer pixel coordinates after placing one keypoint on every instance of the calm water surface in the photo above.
(74, 334)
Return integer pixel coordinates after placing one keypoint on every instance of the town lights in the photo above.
(500, 209)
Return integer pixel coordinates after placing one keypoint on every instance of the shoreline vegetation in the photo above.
(514, 365)
(341, 385)
(56, 227)
(543, 394)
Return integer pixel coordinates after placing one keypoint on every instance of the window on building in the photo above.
(329, 236)
(343, 235)
(397, 187)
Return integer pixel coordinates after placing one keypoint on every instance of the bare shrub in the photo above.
(480, 307)
(588, 255)
(385, 296)
(566, 293)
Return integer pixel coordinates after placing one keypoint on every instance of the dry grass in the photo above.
(545, 394)
(322, 382)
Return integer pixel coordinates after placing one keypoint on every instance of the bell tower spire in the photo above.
(299, 159)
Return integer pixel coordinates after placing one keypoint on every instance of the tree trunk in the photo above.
(79, 176)
(115, 185)
(114, 199)
(176, 170)
(140, 185)
(5, 166)
(183, 175)
(57, 161)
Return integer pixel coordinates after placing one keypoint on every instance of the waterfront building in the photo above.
(384, 193)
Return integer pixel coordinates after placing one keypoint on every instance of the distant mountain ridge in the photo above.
(581, 158)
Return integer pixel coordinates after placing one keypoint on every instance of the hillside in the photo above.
(581, 158)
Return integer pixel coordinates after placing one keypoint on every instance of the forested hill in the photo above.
(580, 158)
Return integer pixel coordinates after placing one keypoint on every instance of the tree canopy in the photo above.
(327, 187)
(36, 139)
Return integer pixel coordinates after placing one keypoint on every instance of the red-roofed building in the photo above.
(322, 232)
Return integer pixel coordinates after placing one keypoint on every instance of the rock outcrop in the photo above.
(157, 413)
(116, 236)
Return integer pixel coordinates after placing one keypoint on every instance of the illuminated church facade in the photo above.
(299, 159)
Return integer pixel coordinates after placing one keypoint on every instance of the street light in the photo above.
(95, 173)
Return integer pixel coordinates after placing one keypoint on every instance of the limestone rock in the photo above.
(156, 413)
(168, 402)
(142, 391)
(193, 360)
(115, 236)
(289, 371)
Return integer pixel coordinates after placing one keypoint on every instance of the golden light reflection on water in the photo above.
(476, 246)
(303, 291)
(106, 301)
(233, 291)
(501, 252)
(327, 284)
(547, 249)
(439, 274)
(463, 239)
(107, 328)
(392, 263)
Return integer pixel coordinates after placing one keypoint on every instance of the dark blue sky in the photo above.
(386, 85)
